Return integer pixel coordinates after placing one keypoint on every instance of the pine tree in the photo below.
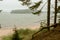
(16, 35)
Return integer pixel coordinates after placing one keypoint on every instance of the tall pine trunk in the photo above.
(55, 17)
(48, 15)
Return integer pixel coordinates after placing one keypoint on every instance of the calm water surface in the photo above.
(8, 19)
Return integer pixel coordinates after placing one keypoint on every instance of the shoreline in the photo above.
(8, 31)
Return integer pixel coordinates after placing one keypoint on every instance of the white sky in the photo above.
(10, 4)
(7, 5)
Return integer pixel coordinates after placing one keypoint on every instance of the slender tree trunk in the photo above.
(55, 17)
(48, 15)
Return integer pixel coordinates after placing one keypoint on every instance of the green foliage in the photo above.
(7, 37)
(25, 31)
(36, 5)
(16, 36)
(38, 12)
(25, 2)
(22, 0)
(33, 7)
(22, 34)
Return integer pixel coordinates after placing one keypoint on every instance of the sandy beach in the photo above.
(9, 31)
(5, 32)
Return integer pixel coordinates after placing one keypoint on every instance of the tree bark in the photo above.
(55, 17)
(48, 15)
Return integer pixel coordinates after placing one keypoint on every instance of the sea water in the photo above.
(28, 19)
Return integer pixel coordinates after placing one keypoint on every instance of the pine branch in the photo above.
(22, 0)
(35, 6)
(25, 2)
(38, 12)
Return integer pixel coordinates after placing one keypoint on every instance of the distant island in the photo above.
(21, 11)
